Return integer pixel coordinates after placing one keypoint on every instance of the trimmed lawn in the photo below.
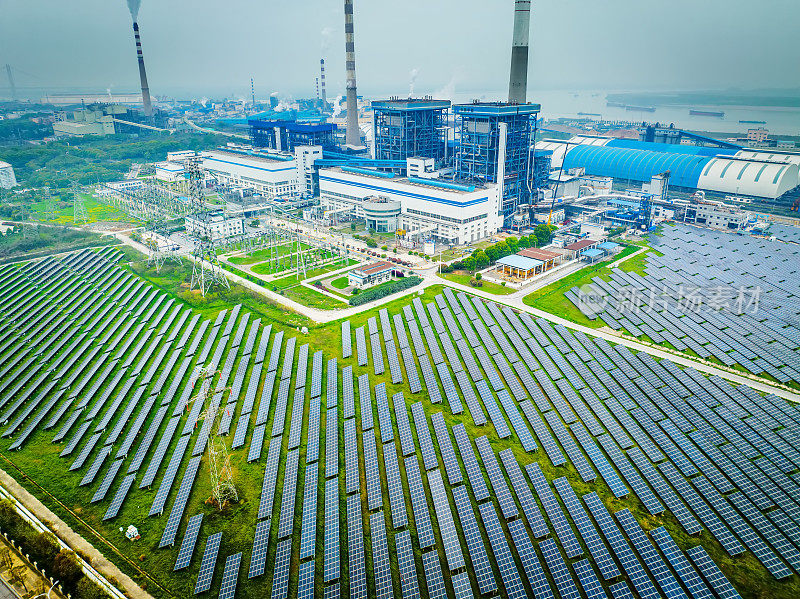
(464, 278)
(340, 283)
(96, 212)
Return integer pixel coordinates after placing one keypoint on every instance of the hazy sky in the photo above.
(197, 47)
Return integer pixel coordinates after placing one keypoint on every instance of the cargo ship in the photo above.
(640, 108)
(696, 112)
(589, 114)
(753, 122)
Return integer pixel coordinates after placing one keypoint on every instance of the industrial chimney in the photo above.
(146, 105)
(352, 136)
(518, 83)
(322, 83)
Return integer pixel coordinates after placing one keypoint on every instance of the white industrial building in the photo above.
(214, 226)
(7, 177)
(169, 171)
(305, 157)
(423, 208)
(717, 216)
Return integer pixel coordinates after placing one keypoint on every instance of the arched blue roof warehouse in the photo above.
(635, 144)
(637, 165)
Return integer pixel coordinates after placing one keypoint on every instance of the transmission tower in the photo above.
(206, 270)
(79, 215)
(219, 464)
(49, 204)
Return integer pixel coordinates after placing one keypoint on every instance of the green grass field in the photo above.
(96, 211)
(263, 254)
(463, 278)
(340, 283)
(40, 469)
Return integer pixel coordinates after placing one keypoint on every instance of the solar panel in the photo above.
(332, 443)
(496, 478)
(308, 530)
(411, 370)
(621, 590)
(316, 374)
(270, 479)
(473, 405)
(365, 401)
(451, 466)
(478, 485)
(169, 476)
(380, 557)
(189, 541)
(553, 510)
(208, 564)
(495, 413)
(119, 497)
(481, 567)
(640, 488)
(565, 584)
(658, 568)
(357, 568)
(524, 495)
(510, 407)
(530, 563)
(312, 440)
(347, 340)
(99, 460)
(332, 558)
(230, 576)
(305, 580)
(676, 558)
(352, 478)
(371, 471)
(447, 528)
(630, 563)
(384, 416)
(258, 557)
(607, 471)
(407, 446)
(576, 456)
(256, 443)
(502, 553)
(377, 354)
(544, 435)
(713, 575)
(394, 481)
(296, 425)
(171, 528)
(407, 569)
(419, 504)
(595, 545)
(433, 576)
(282, 570)
(449, 387)
(289, 497)
(424, 436)
(361, 347)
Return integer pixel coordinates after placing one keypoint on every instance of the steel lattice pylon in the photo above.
(206, 271)
(222, 487)
(79, 216)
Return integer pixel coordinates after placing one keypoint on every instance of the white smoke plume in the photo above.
(449, 90)
(414, 73)
(337, 106)
(133, 6)
(325, 38)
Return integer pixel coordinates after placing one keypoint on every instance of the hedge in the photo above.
(376, 293)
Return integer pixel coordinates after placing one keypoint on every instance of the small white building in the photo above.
(169, 171)
(180, 156)
(717, 216)
(7, 177)
(370, 275)
(214, 226)
(271, 174)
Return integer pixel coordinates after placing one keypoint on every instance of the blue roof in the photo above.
(637, 165)
(635, 144)
(592, 253)
(608, 245)
(515, 261)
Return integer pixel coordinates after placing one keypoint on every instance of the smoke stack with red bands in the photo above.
(146, 104)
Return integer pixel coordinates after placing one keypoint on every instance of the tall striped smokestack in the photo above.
(322, 83)
(352, 136)
(518, 83)
(146, 104)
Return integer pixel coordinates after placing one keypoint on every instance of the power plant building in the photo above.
(408, 128)
(271, 174)
(725, 170)
(445, 211)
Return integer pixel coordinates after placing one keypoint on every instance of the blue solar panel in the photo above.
(451, 465)
(405, 564)
(357, 568)
(630, 563)
(348, 395)
(424, 436)
(512, 411)
(371, 471)
(419, 504)
(308, 528)
(502, 553)
(282, 571)
(296, 425)
(599, 460)
(496, 478)
(565, 584)
(312, 441)
(208, 564)
(447, 527)
(685, 571)
(530, 563)
(394, 481)
(643, 492)
(171, 528)
(586, 472)
(332, 443)
(230, 576)
(433, 576)
(289, 497)
(711, 572)
(524, 494)
(476, 481)
(352, 478)
(365, 400)
(598, 549)
(481, 567)
(305, 580)
(332, 557)
(658, 568)
(266, 502)
(258, 557)
(554, 513)
(380, 557)
(543, 433)
(407, 446)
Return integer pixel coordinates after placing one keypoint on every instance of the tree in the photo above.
(493, 253)
(478, 276)
(533, 240)
(524, 242)
(544, 233)
(513, 244)
(502, 248)
(66, 567)
(469, 263)
(352, 226)
(86, 589)
(371, 243)
(481, 259)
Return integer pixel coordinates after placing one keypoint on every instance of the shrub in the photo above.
(86, 589)
(394, 250)
(371, 243)
(66, 567)
(375, 293)
(44, 547)
(385, 248)
(478, 276)
(474, 282)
